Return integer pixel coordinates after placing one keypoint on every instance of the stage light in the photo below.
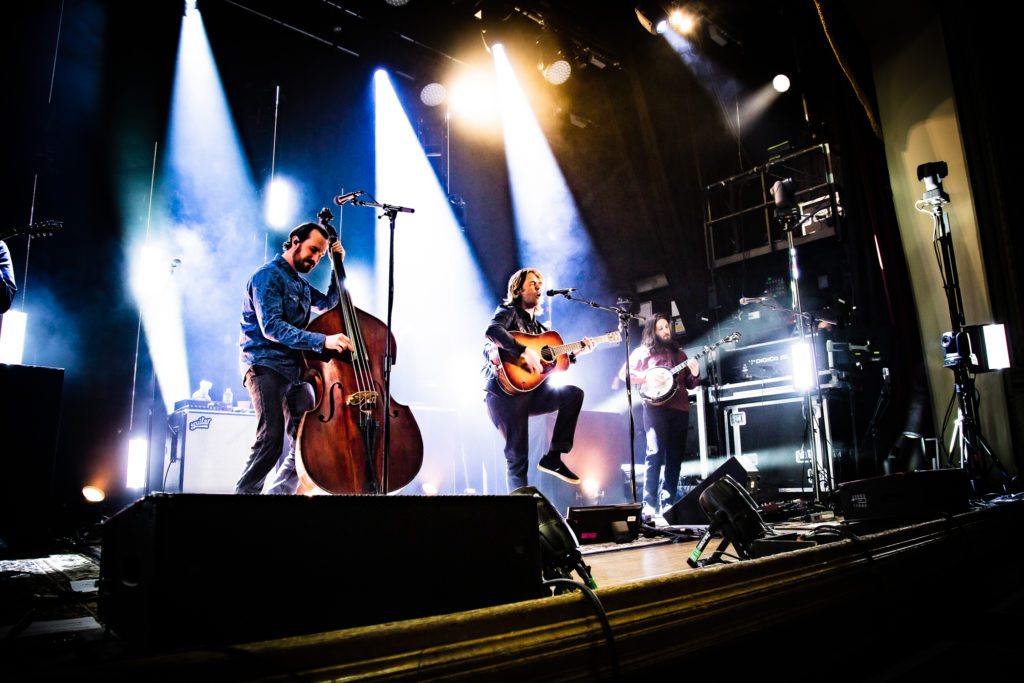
(93, 494)
(557, 72)
(397, 3)
(753, 106)
(281, 203)
(12, 337)
(473, 99)
(652, 17)
(205, 217)
(591, 488)
(803, 367)
(551, 234)
(157, 295)
(729, 506)
(431, 251)
(781, 83)
(996, 350)
(559, 547)
(138, 463)
(433, 94)
(981, 348)
(429, 489)
(682, 21)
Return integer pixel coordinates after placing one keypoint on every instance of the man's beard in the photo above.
(669, 344)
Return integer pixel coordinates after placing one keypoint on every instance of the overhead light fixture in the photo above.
(433, 94)
(557, 72)
(682, 21)
(781, 83)
(552, 60)
(652, 17)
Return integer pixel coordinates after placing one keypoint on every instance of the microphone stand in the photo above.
(391, 211)
(790, 221)
(624, 318)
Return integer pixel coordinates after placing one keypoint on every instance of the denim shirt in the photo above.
(277, 307)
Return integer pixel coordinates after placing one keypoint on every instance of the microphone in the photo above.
(553, 292)
(343, 199)
(744, 300)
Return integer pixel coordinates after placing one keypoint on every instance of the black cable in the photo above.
(843, 530)
(945, 422)
(602, 617)
(167, 470)
(676, 536)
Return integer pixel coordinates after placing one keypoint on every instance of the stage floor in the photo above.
(49, 619)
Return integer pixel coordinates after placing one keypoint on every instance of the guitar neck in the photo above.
(679, 368)
(577, 346)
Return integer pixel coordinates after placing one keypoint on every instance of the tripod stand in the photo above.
(976, 455)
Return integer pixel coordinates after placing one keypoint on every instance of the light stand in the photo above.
(624, 317)
(788, 213)
(972, 444)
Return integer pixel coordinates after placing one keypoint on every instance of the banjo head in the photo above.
(658, 384)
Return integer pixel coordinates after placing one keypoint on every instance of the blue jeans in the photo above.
(511, 415)
(279, 404)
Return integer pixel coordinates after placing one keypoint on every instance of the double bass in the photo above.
(340, 443)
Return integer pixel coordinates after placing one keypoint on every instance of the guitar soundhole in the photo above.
(546, 354)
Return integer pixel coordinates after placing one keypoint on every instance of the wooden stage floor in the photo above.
(856, 597)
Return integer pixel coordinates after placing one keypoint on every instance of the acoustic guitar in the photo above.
(515, 377)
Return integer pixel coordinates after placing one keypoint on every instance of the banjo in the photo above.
(660, 383)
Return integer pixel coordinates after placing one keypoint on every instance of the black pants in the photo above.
(666, 443)
(279, 404)
(511, 415)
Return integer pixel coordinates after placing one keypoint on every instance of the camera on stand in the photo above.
(932, 174)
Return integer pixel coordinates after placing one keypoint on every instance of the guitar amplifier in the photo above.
(209, 449)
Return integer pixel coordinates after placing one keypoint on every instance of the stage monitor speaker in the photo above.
(30, 411)
(198, 569)
(688, 510)
(922, 494)
(597, 523)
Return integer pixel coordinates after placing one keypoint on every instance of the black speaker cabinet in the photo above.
(181, 569)
(925, 494)
(30, 410)
(688, 511)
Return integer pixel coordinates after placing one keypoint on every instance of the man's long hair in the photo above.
(650, 339)
(515, 287)
(303, 232)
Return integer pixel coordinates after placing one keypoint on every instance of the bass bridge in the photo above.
(364, 400)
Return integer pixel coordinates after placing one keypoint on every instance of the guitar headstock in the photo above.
(614, 337)
(37, 229)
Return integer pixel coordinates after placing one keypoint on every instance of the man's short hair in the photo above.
(303, 232)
